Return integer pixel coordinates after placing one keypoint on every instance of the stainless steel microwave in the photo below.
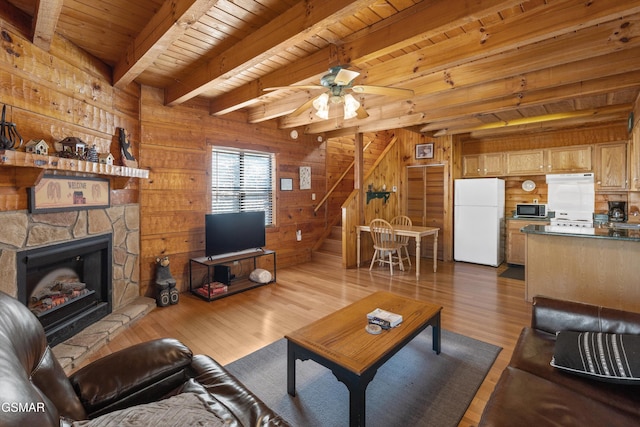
(531, 210)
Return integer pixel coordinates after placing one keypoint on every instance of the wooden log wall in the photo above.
(340, 154)
(60, 93)
(176, 146)
(390, 171)
(443, 154)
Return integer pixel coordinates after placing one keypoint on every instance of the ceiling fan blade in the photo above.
(344, 77)
(295, 87)
(303, 107)
(383, 90)
(362, 113)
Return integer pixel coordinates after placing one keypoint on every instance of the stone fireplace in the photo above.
(67, 285)
(29, 239)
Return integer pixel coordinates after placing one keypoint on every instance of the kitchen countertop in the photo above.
(604, 232)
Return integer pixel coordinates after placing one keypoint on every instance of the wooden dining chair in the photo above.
(403, 240)
(385, 244)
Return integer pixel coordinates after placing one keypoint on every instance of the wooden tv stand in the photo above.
(238, 285)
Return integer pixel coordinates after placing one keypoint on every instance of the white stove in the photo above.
(564, 222)
(572, 198)
(573, 219)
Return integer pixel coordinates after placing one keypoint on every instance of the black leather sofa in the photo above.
(531, 392)
(35, 391)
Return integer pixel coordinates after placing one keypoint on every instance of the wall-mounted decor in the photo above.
(424, 151)
(286, 184)
(305, 177)
(63, 193)
(125, 149)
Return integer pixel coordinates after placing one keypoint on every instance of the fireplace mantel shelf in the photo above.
(38, 164)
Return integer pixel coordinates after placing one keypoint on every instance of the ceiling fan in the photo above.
(338, 82)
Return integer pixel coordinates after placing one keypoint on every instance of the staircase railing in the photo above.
(351, 218)
(347, 260)
(338, 181)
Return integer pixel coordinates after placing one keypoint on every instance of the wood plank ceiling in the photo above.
(476, 67)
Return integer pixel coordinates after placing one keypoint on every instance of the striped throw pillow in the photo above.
(603, 356)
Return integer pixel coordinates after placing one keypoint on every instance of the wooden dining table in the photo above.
(417, 232)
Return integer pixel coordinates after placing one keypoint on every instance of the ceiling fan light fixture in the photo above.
(351, 106)
(321, 104)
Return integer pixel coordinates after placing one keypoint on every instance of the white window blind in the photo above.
(242, 181)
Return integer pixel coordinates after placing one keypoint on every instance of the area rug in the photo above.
(416, 387)
(513, 272)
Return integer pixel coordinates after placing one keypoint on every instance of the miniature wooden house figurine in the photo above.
(37, 147)
(106, 158)
(74, 146)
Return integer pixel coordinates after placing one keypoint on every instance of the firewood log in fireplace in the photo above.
(63, 285)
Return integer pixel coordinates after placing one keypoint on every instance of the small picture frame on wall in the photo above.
(424, 151)
(286, 184)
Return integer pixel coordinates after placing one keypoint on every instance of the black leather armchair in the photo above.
(35, 391)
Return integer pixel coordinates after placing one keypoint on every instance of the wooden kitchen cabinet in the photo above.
(634, 160)
(516, 240)
(476, 165)
(611, 167)
(528, 162)
(569, 159)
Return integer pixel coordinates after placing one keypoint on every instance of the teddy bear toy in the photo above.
(167, 292)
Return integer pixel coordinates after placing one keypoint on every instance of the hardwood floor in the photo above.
(476, 302)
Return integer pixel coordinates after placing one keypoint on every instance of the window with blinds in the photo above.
(242, 181)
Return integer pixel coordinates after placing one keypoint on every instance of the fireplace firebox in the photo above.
(67, 285)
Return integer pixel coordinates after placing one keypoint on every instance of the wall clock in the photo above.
(305, 177)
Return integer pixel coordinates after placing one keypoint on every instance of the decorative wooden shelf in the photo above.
(40, 164)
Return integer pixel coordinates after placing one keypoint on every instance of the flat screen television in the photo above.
(233, 232)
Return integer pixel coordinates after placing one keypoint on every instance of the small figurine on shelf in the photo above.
(167, 292)
(72, 147)
(125, 149)
(38, 146)
(106, 158)
(92, 154)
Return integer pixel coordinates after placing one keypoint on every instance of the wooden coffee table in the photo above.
(340, 342)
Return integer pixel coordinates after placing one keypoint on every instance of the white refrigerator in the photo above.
(478, 221)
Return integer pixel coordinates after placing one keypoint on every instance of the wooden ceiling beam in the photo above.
(579, 63)
(439, 110)
(285, 31)
(440, 118)
(614, 114)
(170, 23)
(568, 23)
(412, 25)
(45, 21)
(610, 120)
(608, 113)
(296, 73)
(418, 25)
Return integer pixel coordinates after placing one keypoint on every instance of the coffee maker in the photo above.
(617, 211)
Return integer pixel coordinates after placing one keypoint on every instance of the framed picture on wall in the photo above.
(286, 184)
(305, 177)
(424, 151)
(58, 193)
